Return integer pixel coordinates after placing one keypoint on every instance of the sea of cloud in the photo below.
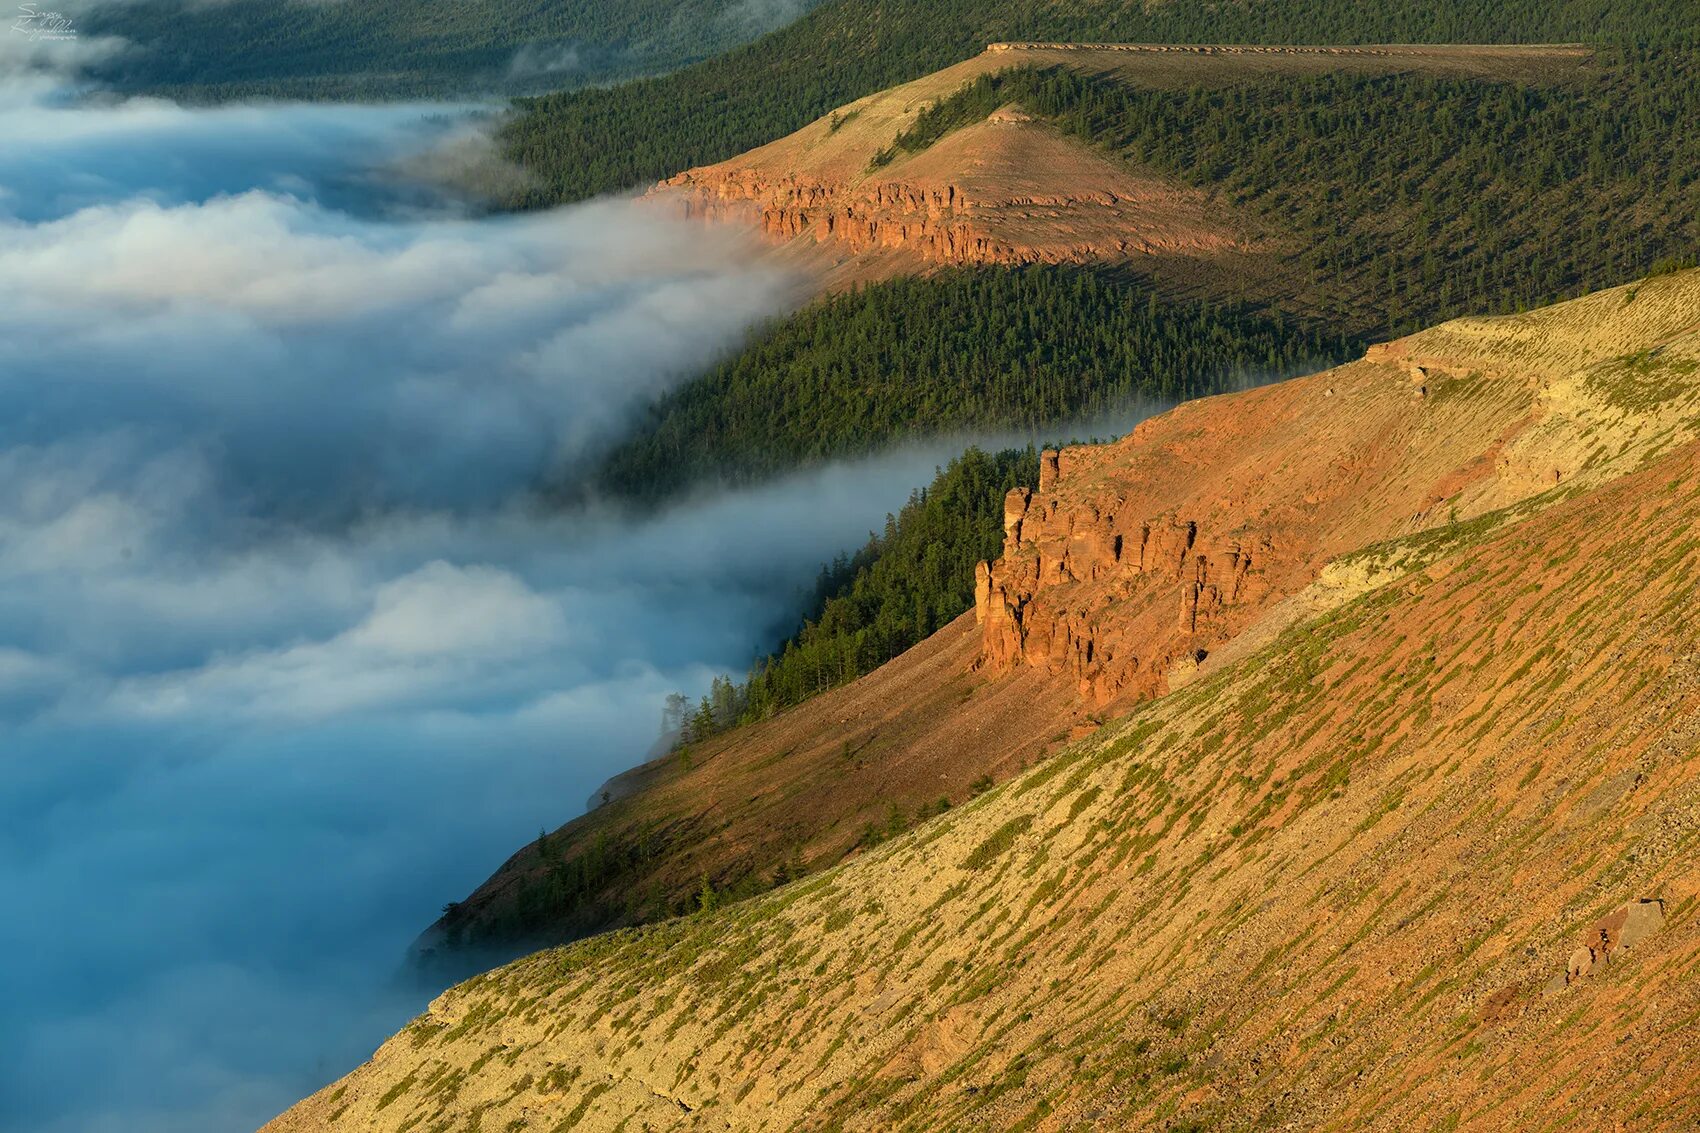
(289, 653)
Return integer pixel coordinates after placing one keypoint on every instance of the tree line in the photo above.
(1409, 198)
(904, 584)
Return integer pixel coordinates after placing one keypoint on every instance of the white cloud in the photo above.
(535, 60)
(290, 655)
(475, 611)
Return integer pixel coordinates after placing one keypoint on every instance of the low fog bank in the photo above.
(289, 656)
(229, 809)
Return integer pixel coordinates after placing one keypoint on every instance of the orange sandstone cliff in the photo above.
(1133, 563)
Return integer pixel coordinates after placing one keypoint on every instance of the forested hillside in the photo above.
(987, 350)
(597, 141)
(1408, 198)
(397, 49)
(1393, 200)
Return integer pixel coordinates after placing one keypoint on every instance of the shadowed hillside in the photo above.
(394, 49)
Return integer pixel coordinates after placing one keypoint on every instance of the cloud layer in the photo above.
(289, 656)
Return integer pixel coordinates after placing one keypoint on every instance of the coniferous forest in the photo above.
(984, 350)
(1408, 199)
(904, 584)
(586, 142)
(403, 49)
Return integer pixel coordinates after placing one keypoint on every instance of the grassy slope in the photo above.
(1324, 888)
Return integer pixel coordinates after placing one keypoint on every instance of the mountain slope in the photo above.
(881, 186)
(1204, 535)
(1367, 190)
(1425, 860)
(1345, 873)
(1142, 558)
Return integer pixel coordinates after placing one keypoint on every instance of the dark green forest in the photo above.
(1409, 199)
(907, 582)
(986, 350)
(411, 49)
(596, 141)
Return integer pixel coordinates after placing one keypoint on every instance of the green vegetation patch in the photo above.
(1411, 198)
(998, 844)
(903, 585)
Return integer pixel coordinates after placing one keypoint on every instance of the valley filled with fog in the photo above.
(291, 653)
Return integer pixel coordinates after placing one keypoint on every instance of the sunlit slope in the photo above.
(1204, 533)
(1348, 880)
(1007, 189)
(1333, 885)
(1212, 526)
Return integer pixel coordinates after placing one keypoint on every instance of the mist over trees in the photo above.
(982, 350)
(904, 584)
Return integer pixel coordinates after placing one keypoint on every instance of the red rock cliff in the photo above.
(1113, 591)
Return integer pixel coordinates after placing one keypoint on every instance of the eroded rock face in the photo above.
(1130, 563)
(936, 222)
(1005, 191)
(1034, 608)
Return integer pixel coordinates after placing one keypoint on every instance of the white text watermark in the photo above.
(39, 26)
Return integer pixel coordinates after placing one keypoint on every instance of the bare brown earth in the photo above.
(1139, 557)
(1414, 847)
(1012, 191)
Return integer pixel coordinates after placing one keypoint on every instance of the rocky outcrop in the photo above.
(939, 223)
(1617, 932)
(1129, 565)
(1008, 190)
(1033, 608)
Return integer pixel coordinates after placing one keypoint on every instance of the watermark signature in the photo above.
(39, 26)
